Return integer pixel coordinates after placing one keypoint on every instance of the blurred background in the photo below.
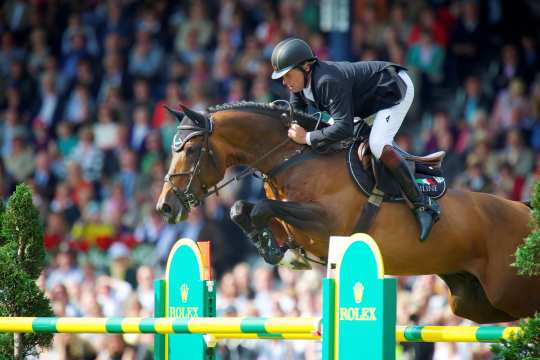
(82, 89)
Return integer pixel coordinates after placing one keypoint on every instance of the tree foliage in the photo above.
(22, 256)
(528, 254)
(525, 346)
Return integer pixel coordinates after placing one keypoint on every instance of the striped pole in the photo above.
(411, 334)
(454, 333)
(307, 328)
(203, 325)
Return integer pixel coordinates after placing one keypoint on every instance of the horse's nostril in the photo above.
(165, 209)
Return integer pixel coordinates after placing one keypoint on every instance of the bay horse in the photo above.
(471, 247)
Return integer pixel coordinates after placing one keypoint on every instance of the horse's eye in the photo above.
(190, 151)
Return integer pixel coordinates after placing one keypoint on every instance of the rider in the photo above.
(346, 90)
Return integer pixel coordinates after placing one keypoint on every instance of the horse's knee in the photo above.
(261, 214)
(239, 214)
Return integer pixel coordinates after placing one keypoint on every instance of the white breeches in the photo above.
(388, 121)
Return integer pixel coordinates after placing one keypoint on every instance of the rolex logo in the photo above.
(184, 289)
(358, 290)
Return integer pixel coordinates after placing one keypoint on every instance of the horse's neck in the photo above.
(247, 138)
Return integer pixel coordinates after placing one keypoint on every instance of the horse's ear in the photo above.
(177, 114)
(196, 117)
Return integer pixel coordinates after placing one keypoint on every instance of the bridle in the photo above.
(187, 197)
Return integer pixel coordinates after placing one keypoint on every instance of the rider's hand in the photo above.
(297, 134)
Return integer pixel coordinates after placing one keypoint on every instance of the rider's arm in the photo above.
(336, 96)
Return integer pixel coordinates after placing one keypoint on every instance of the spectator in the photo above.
(11, 126)
(508, 101)
(427, 22)
(80, 106)
(467, 41)
(43, 176)
(67, 142)
(20, 163)
(510, 67)
(146, 58)
(40, 52)
(145, 288)
(140, 129)
(516, 154)
(88, 155)
(427, 58)
(106, 130)
(9, 52)
(49, 106)
(195, 33)
(64, 270)
(471, 100)
(153, 152)
(114, 76)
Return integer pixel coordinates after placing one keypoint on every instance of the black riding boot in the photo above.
(268, 248)
(425, 209)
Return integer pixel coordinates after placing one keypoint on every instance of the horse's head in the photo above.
(193, 169)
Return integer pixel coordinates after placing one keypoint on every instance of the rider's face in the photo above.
(294, 80)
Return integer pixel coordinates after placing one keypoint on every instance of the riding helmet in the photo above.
(288, 54)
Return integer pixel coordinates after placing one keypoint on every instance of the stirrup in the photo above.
(430, 206)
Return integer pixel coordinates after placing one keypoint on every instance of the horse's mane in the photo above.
(307, 121)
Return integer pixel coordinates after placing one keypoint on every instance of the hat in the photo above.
(118, 250)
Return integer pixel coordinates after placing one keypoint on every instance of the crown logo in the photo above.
(184, 289)
(358, 290)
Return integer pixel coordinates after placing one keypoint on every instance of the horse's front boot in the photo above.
(266, 244)
(425, 209)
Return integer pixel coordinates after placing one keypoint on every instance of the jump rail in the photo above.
(359, 308)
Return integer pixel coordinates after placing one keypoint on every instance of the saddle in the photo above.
(371, 176)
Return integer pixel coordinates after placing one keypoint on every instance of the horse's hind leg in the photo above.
(468, 299)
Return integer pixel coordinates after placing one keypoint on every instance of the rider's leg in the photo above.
(386, 125)
(425, 209)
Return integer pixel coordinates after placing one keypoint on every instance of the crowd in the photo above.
(82, 89)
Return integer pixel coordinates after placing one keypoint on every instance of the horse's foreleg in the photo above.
(240, 216)
(254, 220)
(306, 224)
(308, 217)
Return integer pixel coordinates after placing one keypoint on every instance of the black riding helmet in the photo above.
(288, 54)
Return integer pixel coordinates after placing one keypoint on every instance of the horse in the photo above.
(471, 247)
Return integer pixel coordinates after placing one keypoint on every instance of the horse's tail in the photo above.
(528, 203)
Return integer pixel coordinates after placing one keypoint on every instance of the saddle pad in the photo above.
(430, 180)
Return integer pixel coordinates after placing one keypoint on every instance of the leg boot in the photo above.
(268, 248)
(425, 209)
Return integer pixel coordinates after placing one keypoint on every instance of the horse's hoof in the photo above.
(293, 260)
